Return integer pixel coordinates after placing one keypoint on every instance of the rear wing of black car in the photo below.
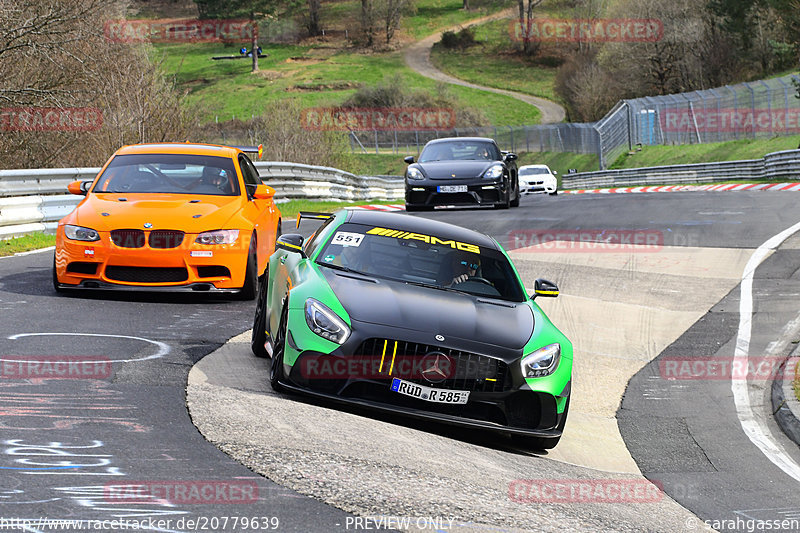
(312, 215)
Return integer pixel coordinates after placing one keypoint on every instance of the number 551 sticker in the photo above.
(345, 238)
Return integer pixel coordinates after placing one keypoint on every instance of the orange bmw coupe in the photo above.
(169, 217)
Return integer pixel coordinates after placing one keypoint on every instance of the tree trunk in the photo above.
(368, 21)
(313, 17)
(254, 45)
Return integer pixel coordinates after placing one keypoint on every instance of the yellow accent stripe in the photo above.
(490, 379)
(383, 354)
(292, 245)
(393, 354)
(546, 292)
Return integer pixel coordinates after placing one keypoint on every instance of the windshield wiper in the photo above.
(432, 286)
(343, 268)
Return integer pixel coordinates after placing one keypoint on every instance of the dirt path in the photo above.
(418, 58)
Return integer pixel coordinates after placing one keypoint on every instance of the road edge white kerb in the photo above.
(754, 428)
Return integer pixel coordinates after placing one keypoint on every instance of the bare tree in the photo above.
(53, 53)
(392, 12)
(368, 21)
(313, 17)
(526, 8)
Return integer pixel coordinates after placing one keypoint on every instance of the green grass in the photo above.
(290, 209)
(224, 89)
(492, 63)
(434, 15)
(428, 17)
(796, 382)
(25, 243)
(651, 156)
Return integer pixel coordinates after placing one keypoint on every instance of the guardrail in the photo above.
(777, 166)
(34, 200)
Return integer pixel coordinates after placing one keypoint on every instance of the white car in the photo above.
(537, 178)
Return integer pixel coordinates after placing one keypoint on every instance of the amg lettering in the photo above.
(463, 246)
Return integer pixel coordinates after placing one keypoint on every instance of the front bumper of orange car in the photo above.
(188, 266)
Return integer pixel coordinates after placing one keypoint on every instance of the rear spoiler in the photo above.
(251, 149)
(312, 215)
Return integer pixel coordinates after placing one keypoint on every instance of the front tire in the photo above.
(56, 284)
(258, 338)
(250, 287)
(507, 203)
(276, 369)
(515, 201)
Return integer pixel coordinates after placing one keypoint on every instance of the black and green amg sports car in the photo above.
(412, 316)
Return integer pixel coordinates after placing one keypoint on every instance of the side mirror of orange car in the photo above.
(79, 187)
(264, 192)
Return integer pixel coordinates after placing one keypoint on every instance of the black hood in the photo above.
(444, 170)
(451, 314)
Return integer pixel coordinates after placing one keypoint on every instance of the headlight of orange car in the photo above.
(79, 233)
(220, 236)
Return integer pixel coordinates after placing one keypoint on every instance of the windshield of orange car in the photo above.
(169, 174)
(436, 261)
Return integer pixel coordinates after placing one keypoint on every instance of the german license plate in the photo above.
(451, 188)
(421, 392)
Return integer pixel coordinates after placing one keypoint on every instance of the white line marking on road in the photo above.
(163, 349)
(754, 428)
(30, 252)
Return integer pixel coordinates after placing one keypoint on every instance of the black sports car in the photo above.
(416, 317)
(462, 171)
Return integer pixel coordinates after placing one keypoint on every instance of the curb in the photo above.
(795, 186)
(785, 406)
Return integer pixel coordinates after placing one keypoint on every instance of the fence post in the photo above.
(752, 106)
(600, 157)
(527, 139)
(769, 104)
(785, 105)
(735, 107)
